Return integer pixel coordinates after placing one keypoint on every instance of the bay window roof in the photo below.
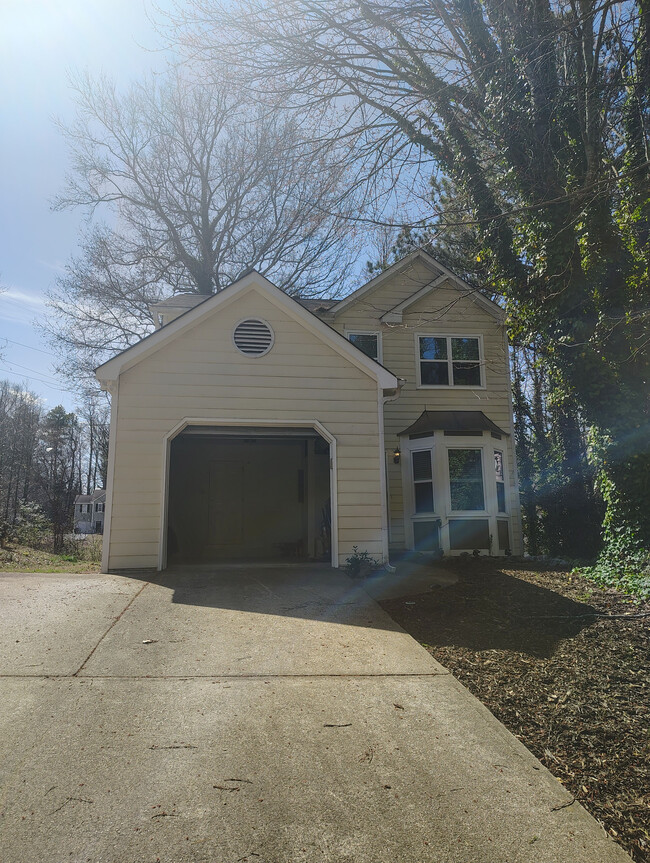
(456, 421)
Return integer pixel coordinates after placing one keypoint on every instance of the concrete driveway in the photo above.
(270, 715)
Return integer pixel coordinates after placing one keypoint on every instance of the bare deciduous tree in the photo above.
(199, 189)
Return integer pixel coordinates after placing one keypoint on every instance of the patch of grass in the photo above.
(22, 558)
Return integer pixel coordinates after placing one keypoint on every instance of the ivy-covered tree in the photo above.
(539, 113)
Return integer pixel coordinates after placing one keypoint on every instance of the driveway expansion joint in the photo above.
(271, 676)
(114, 621)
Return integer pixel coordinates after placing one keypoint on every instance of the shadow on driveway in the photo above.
(304, 591)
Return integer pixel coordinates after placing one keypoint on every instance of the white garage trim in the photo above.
(110, 473)
(214, 421)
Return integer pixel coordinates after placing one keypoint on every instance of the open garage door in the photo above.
(240, 494)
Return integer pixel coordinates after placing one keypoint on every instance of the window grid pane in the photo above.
(434, 373)
(366, 342)
(421, 465)
(433, 348)
(424, 496)
(464, 349)
(467, 374)
(466, 480)
(422, 480)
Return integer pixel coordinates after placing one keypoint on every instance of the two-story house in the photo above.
(251, 425)
(89, 512)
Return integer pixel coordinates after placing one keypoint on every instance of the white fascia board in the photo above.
(109, 371)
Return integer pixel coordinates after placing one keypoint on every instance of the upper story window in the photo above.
(449, 361)
(367, 342)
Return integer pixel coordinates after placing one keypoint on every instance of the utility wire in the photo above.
(40, 381)
(31, 348)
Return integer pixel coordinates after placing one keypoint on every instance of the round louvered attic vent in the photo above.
(253, 337)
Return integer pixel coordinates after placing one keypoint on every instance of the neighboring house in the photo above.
(89, 512)
(251, 425)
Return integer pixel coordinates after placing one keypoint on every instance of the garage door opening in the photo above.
(238, 494)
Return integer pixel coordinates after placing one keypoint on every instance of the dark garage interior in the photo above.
(238, 494)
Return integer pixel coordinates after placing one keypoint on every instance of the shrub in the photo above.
(32, 527)
(360, 563)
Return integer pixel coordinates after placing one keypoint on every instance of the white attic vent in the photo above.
(253, 337)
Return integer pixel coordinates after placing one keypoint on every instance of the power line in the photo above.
(40, 381)
(31, 348)
(36, 371)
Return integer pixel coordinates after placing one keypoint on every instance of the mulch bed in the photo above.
(574, 688)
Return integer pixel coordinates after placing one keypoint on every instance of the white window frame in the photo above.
(408, 486)
(423, 516)
(487, 497)
(356, 332)
(439, 445)
(449, 337)
(506, 511)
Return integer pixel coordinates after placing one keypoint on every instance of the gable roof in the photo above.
(441, 275)
(110, 370)
(97, 495)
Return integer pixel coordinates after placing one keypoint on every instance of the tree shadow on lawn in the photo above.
(489, 609)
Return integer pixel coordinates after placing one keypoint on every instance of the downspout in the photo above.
(385, 396)
(111, 387)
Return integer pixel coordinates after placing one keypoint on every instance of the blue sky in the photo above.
(41, 41)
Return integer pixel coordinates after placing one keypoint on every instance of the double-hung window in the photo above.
(367, 342)
(422, 480)
(453, 361)
(500, 480)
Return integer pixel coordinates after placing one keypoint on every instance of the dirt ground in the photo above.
(574, 687)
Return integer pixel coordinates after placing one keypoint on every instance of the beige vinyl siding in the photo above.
(201, 374)
(444, 311)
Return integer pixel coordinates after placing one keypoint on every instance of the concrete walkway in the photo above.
(270, 715)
